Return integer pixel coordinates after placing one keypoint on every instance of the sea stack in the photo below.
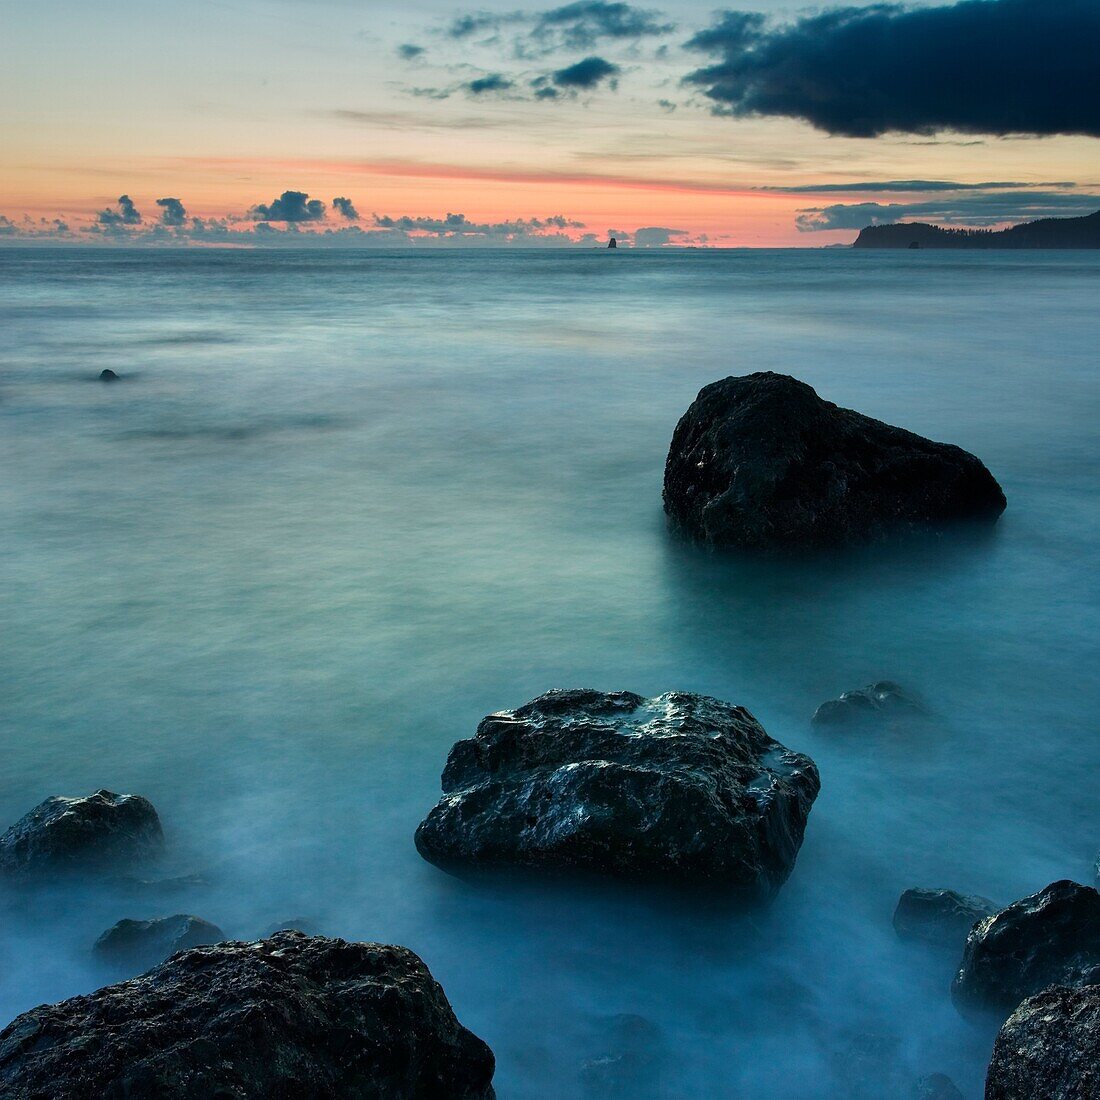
(762, 462)
(612, 243)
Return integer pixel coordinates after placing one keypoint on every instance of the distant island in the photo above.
(1046, 233)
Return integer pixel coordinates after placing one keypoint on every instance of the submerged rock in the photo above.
(1049, 1047)
(139, 944)
(762, 462)
(877, 702)
(630, 1067)
(1048, 938)
(82, 834)
(678, 787)
(290, 1016)
(941, 917)
(935, 1086)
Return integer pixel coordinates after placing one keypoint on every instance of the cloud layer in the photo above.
(978, 66)
(977, 209)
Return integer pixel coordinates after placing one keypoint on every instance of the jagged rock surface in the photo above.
(1049, 1047)
(678, 787)
(287, 1018)
(1048, 938)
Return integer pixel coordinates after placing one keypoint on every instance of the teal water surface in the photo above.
(341, 505)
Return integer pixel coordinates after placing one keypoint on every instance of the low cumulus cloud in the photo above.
(491, 82)
(576, 26)
(586, 74)
(345, 208)
(993, 208)
(172, 212)
(459, 226)
(291, 206)
(124, 215)
(906, 186)
(978, 66)
(657, 236)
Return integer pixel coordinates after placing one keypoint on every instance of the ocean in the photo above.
(342, 504)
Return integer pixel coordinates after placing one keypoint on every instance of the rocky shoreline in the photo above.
(680, 790)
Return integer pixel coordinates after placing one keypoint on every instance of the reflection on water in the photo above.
(342, 506)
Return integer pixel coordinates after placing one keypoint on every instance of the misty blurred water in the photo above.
(341, 505)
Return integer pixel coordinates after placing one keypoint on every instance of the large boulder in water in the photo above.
(138, 944)
(941, 917)
(679, 787)
(1048, 938)
(762, 462)
(100, 830)
(1049, 1047)
(290, 1016)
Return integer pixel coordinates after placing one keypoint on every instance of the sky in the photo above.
(444, 123)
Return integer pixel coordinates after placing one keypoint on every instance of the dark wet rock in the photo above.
(880, 702)
(941, 917)
(1048, 938)
(82, 834)
(108, 376)
(762, 462)
(613, 243)
(1049, 1048)
(679, 787)
(136, 945)
(935, 1086)
(290, 1016)
(630, 1066)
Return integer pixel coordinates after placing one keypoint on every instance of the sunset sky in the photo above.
(542, 124)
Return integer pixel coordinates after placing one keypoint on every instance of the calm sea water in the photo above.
(342, 505)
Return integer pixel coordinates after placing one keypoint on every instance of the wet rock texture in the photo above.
(1049, 1047)
(287, 1017)
(941, 917)
(1048, 938)
(762, 462)
(876, 704)
(678, 787)
(100, 830)
(135, 945)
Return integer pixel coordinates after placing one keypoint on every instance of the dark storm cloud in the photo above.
(124, 215)
(585, 74)
(172, 211)
(492, 82)
(911, 186)
(345, 208)
(291, 207)
(409, 52)
(969, 209)
(978, 66)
